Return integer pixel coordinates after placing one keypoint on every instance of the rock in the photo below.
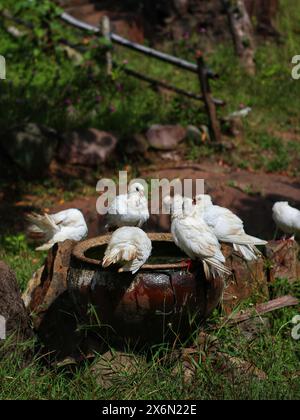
(14, 318)
(249, 280)
(165, 137)
(283, 256)
(113, 366)
(87, 147)
(137, 144)
(31, 147)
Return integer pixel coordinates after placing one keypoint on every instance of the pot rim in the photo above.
(80, 249)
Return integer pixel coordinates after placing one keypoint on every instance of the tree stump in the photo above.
(249, 280)
(49, 282)
(53, 314)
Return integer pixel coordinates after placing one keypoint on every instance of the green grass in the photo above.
(273, 351)
(21, 257)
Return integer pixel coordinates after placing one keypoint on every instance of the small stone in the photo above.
(31, 147)
(136, 144)
(88, 147)
(165, 137)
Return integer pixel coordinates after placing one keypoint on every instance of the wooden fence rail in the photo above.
(150, 52)
(128, 71)
(199, 68)
(204, 74)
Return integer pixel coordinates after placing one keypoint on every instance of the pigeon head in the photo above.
(167, 201)
(136, 187)
(176, 206)
(187, 206)
(203, 200)
(279, 205)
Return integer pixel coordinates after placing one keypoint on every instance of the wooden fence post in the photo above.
(105, 30)
(208, 99)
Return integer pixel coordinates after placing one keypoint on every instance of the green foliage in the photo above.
(274, 352)
(46, 85)
(15, 244)
(15, 251)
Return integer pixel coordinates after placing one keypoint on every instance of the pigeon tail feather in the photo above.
(115, 255)
(213, 267)
(43, 226)
(250, 253)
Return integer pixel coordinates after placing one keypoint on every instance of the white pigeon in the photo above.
(128, 209)
(228, 227)
(129, 246)
(287, 218)
(193, 236)
(53, 228)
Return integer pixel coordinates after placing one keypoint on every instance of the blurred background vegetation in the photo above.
(47, 86)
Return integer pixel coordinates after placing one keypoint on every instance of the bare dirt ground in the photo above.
(250, 194)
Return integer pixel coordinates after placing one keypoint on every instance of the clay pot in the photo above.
(164, 299)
